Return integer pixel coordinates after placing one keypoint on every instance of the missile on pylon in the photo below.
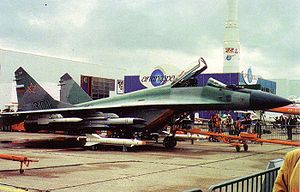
(94, 139)
(126, 121)
(45, 121)
(119, 121)
(66, 120)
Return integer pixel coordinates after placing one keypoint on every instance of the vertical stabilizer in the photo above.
(71, 92)
(31, 96)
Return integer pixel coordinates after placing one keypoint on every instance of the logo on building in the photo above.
(120, 86)
(228, 57)
(231, 51)
(249, 78)
(156, 78)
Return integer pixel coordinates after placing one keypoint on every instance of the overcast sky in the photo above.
(146, 33)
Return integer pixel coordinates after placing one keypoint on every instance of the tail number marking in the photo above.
(42, 104)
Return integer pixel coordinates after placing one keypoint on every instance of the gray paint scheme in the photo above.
(155, 105)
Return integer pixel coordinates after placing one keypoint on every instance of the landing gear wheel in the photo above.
(94, 148)
(245, 146)
(156, 138)
(169, 142)
(212, 139)
(237, 148)
(30, 128)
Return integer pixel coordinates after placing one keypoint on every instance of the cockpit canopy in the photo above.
(187, 78)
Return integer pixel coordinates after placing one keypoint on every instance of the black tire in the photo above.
(169, 142)
(22, 171)
(94, 147)
(237, 148)
(245, 146)
(30, 128)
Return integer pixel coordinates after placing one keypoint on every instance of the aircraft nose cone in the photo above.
(262, 100)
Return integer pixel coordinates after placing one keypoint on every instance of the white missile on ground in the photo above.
(187, 136)
(94, 139)
(191, 136)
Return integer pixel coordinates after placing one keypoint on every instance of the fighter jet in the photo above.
(156, 106)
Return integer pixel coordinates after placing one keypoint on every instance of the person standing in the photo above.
(217, 123)
(248, 123)
(229, 124)
(282, 121)
(237, 126)
(287, 179)
(289, 127)
(292, 122)
(211, 124)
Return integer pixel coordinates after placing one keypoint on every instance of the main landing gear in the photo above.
(238, 147)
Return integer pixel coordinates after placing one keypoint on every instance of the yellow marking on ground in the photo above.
(10, 189)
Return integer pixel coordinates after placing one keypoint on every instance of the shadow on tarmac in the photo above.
(68, 143)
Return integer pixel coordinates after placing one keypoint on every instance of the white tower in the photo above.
(231, 40)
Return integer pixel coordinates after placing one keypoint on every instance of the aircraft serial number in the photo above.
(42, 104)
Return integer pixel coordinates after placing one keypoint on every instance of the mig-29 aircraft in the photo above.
(141, 113)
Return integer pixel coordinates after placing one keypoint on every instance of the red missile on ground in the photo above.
(243, 138)
(289, 109)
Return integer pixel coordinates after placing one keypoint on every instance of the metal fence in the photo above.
(274, 131)
(262, 182)
(281, 132)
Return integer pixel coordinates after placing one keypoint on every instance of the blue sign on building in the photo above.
(133, 83)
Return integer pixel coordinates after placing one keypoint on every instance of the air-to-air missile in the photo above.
(94, 139)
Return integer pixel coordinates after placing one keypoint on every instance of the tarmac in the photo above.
(64, 165)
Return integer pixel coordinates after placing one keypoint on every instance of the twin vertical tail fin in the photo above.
(71, 92)
(31, 96)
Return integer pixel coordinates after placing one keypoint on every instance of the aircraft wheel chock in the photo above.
(245, 146)
(237, 148)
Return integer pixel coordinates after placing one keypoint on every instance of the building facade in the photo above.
(133, 83)
(47, 72)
